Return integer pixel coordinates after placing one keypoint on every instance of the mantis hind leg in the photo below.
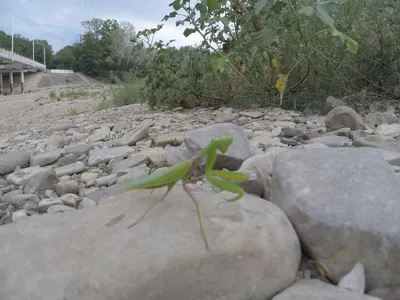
(196, 204)
(153, 205)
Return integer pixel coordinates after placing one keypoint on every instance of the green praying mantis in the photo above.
(222, 179)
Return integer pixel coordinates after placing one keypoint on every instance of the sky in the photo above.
(59, 21)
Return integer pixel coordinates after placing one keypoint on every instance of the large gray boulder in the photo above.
(91, 254)
(344, 204)
(343, 117)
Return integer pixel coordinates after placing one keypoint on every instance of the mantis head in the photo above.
(222, 143)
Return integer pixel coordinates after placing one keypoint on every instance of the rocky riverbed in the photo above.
(321, 209)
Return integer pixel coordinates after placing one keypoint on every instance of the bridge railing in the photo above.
(20, 59)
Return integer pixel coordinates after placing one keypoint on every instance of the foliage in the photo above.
(224, 180)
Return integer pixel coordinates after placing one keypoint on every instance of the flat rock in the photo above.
(252, 114)
(331, 141)
(392, 130)
(389, 146)
(44, 204)
(45, 158)
(377, 118)
(386, 293)
(196, 140)
(341, 200)
(314, 289)
(104, 155)
(59, 208)
(130, 162)
(131, 137)
(9, 161)
(173, 139)
(71, 169)
(176, 155)
(23, 176)
(252, 235)
(78, 150)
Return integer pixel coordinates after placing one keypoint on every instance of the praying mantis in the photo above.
(222, 179)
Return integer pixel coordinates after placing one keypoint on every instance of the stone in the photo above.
(314, 289)
(102, 134)
(377, 118)
(104, 155)
(331, 141)
(44, 204)
(23, 176)
(55, 141)
(251, 114)
(86, 202)
(19, 215)
(70, 200)
(197, 139)
(253, 236)
(130, 162)
(340, 200)
(67, 160)
(176, 155)
(45, 158)
(10, 161)
(135, 173)
(119, 126)
(331, 103)
(78, 150)
(173, 139)
(88, 176)
(71, 169)
(59, 208)
(45, 181)
(386, 293)
(354, 281)
(156, 155)
(392, 130)
(341, 117)
(262, 166)
(389, 146)
(265, 141)
(106, 180)
(225, 116)
(67, 187)
(131, 137)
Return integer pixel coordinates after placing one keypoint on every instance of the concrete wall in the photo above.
(59, 71)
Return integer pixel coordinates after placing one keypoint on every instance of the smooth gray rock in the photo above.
(71, 169)
(131, 137)
(176, 155)
(44, 204)
(9, 161)
(354, 281)
(341, 117)
(386, 293)
(378, 118)
(163, 257)
(67, 187)
(392, 130)
(331, 141)
(101, 134)
(331, 103)
(45, 181)
(104, 155)
(196, 140)
(390, 146)
(77, 150)
(59, 208)
(341, 200)
(23, 176)
(174, 139)
(45, 158)
(19, 215)
(130, 162)
(67, 160)
(86, 202)
(314, 289)
(70, 200)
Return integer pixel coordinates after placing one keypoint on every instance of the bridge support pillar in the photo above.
(11, 83)
(1, 83)
(22, 82)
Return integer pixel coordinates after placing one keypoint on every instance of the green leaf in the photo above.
(260, 5)
(212, 4)
(278, 6)
(307, 10)
(352, 45)
(176, 5)
(188, 31)
(323, 9)
(218, 62)
(264, 37)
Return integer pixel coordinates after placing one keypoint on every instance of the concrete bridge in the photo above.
(11, 63)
